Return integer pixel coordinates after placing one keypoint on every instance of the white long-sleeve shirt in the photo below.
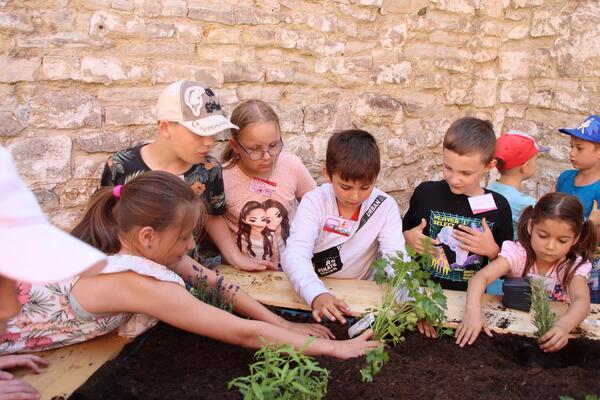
(310, 248)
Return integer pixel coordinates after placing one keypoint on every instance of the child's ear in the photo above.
(234, 146)
(146, 237)
(491, 165)
(163, 129)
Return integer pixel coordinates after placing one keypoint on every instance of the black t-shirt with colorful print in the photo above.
(444, 211)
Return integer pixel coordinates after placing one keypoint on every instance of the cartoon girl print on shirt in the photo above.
(253, 236)
(263, 228)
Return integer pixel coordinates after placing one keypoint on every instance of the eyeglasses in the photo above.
(257, 154)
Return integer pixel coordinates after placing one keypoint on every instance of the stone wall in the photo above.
(79, 78)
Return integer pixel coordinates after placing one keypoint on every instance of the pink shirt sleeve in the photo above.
(584, 269)
(515, 254)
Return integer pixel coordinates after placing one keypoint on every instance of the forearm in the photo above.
(245, 305)
(475, 291)
(578, 310)
(257, 333)
(221, 236)
(301, 275)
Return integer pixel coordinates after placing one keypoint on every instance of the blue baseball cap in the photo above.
(588, 130)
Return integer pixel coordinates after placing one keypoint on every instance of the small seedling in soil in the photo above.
(408, 296)
(543, 317)
(283, 373)
(220, 296)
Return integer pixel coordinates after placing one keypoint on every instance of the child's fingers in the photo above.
(488, 331)
(316, 316)
(5, 376)
(343, 306)
(337, 314)
(270, 265)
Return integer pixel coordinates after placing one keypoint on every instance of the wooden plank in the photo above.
(71, 366)
(273, 288)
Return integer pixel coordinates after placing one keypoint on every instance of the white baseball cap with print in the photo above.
(194, 106)
(31, 249)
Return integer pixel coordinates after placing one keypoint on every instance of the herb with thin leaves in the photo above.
(220, 295)
(543, 317)
(281, 372)
(425, 301)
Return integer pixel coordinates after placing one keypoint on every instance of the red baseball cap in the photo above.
(515, 148)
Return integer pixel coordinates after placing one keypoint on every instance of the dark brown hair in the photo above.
(285, 221)
(470, 135)
(353, 155)
(244, 231)
(565, 208)
(155, 198)
(249, 112)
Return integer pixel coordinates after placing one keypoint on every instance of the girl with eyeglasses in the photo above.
(256, 169)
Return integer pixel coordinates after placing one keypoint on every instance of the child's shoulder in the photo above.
(568, 175)
(432, 186)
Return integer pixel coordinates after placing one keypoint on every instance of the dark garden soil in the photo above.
(167, 363)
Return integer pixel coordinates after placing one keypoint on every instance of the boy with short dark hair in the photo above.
(467, 222)
(189, 116)
(341, 226)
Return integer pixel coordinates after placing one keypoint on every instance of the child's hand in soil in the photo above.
(470, 327)
(555, 339)
(13, 389)
(329, 306)
(356, 347)
(316, 330)
(23, 360)
(426, 329)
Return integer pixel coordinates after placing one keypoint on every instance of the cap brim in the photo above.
(209, 126)
(41, 253)
(542, 149)
(576, 133)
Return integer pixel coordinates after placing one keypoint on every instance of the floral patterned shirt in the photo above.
(206, 179)
(47, 319)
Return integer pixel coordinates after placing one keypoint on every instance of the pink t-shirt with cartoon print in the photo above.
(260, 211)
(516, 256)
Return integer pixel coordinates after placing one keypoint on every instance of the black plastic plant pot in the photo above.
(517, 293)
(530, 354)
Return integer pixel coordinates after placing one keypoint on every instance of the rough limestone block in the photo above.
(105, 141)
(122, 116)
(378, 105)
(319, 118)
(18, 69)
(43, 160)
(515, 92)
(235, 72)
(9, 124)
(64, 109)
(105, 69)
(484, 93)
(223, 14)
(393, 73)
(166, 72)
(61, 67)
(578, 45)
(174, 8)
(18, 21)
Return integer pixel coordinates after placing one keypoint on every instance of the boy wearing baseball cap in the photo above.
(584, 181)
(31, 251)
(189, 116)
(516, 160)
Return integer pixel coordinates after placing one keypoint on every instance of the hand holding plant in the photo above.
(543, 317)
(356, 347)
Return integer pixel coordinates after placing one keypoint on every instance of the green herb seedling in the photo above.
(283, 373)
(543, 317)
(393, 318)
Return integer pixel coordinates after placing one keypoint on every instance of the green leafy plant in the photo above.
(221, 296)
(422, 300)
(376, 359)
(283, 373)
(543, 317)
(588, 397)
